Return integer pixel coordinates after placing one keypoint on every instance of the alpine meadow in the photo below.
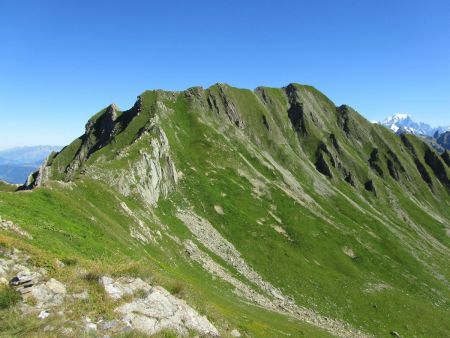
(230, 212)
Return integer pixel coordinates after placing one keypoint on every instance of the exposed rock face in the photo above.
(392, 169)
(123, 286)
(152, 175)
(374, 162)
(228, 105)
(343, 118)
(10, 226)
(419, 165)
(369, 186)
(435, 163)
(33, 283)
(39, 177)
(160, 310)
(394, 165)
(49, 294)
(424, 173)
(98, 133)
(322, 166)
(296, 111)
(157, 310)
(335, 143)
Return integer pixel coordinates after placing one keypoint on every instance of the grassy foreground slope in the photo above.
(331, 213)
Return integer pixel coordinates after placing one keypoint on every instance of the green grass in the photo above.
(398, 237)
(8, 297)
(6, 187)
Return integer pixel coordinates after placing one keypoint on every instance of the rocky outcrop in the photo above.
(145, 308)
(374, 162)
(265, 122)
(100, 131)
(435, 163)
(322, 155)
(369, 186)
(40, 177)
(348, 177)
(32, 283)
(394, 165)
(424, 173)
(419, 165)
(295, 111)
(123, 286)
(223, 103)
(335, 143)
(344, 118)
(10, 226)
(151, 175)
(322, 166)
(156, 309)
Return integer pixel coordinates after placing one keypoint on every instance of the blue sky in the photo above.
(62, 61)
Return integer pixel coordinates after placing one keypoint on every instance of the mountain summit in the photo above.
(234, 212)
(404, 123)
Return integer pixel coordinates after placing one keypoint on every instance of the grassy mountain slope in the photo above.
(274, 210)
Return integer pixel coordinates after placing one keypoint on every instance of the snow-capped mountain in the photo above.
(403, 123)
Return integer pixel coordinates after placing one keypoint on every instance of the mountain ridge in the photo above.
(263, 202)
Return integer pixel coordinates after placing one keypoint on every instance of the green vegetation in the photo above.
(8, 297)
(248, 163)
(6, 187)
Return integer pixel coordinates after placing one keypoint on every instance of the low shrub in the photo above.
(8, 297)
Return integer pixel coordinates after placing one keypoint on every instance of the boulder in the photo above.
(56, 287)
(235, 333)
(160, 310)
(122, 286)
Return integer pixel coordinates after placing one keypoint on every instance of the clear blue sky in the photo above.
(62, 61)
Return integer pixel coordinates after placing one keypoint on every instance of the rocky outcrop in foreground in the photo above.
(156, 309)
(140, 306)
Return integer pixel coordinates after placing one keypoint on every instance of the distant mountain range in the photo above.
(17, 163)
(437, 137)
(404, 123)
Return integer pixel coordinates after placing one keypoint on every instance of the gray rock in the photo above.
(235, 333)
(43, 314)
(127, 328)
(160, 310)
(56, 287)
(81, 295)
(90, 327)
(108, 325)
(122, 286)
(67, 331)
(59, 264)
(46, 297)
